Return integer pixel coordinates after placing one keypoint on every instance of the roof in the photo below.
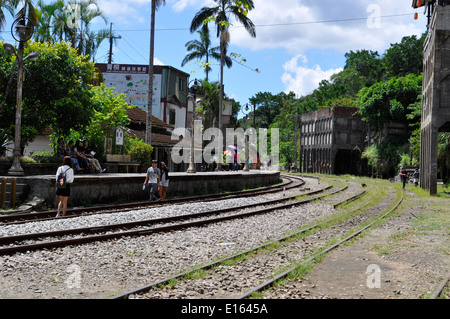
(159, 140)
(139, 116)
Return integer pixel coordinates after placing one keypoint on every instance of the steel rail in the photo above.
(441, 287)
(271, 281)
(218, 262)
(94, 229)
(82, 240)
(103, 209)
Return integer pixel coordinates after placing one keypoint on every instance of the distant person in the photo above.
(64, 193)
(164, 182)
(79, 150)
(404, 176)
(73, 155)
(152, 180)
(61, 148)
(90, 157)
(416, 176)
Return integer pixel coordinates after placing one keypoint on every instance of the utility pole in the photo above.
(295, 140)
(111, 38)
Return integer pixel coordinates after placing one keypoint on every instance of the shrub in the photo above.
(139, 151)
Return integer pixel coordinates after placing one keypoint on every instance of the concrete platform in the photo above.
(92, 189)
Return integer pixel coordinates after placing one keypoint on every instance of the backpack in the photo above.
(61, 180)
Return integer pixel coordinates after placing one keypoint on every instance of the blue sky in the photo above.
(298, 42)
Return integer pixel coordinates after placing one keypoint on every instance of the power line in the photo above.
(282, 24)
(131, 46)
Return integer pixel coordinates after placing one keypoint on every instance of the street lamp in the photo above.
(246, 168)
(23, 33)
(191, 169)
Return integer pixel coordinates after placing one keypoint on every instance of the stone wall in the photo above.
(105, 189)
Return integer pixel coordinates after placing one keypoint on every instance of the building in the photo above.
(332, 141)
(162, 140)
(170, 89)
(436, 90)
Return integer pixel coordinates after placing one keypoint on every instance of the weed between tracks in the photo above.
(375, 194)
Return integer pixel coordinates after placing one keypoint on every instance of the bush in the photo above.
(139, 151)
(45, 157)
(386, 158)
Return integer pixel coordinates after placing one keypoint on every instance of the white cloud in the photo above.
(157, 61)
(303, 80)
(293, 26)
(121, 12)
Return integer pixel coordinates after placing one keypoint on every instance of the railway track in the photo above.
(289, 183)
(59, 238)
(183, 284)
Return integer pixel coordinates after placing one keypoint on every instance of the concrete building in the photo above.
(169, 94)
(436, 90)
(332, 141)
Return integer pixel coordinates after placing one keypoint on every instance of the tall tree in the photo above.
(28, 11)
(155, 5)
(202, 50)
(221, 14)
(405, 57)
(5, 5)
(58, 96)
(366, 63)
(82, 38)
(46, 14)
(210, 103)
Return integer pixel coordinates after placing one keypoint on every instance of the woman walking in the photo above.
(64, 192)
(164, 182)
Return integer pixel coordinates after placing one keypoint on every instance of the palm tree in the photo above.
(210, 103)
(202, 49)
(81, 36)
(222, 13)
(46, 14)
(28, 11)
(9, 6)
(155, 4)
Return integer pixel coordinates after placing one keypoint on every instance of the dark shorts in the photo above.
(63, 191)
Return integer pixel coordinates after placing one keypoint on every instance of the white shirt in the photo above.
(69, 173)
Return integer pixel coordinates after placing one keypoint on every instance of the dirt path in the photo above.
(406, 257)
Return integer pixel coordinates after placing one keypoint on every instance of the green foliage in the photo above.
(139, 150)
(45, 157)
(209, 106)
(386, 157)
(366, 64)
(414, 141)
(110, 111)
(55, 92)
(391, 100)
(405, 57)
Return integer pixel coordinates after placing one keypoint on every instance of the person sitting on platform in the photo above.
(79, 154)
(90, 157)
(73, 156)
(92, 160)
(61, 148)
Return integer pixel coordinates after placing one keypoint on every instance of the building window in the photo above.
(181, 84)
(172, 116)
